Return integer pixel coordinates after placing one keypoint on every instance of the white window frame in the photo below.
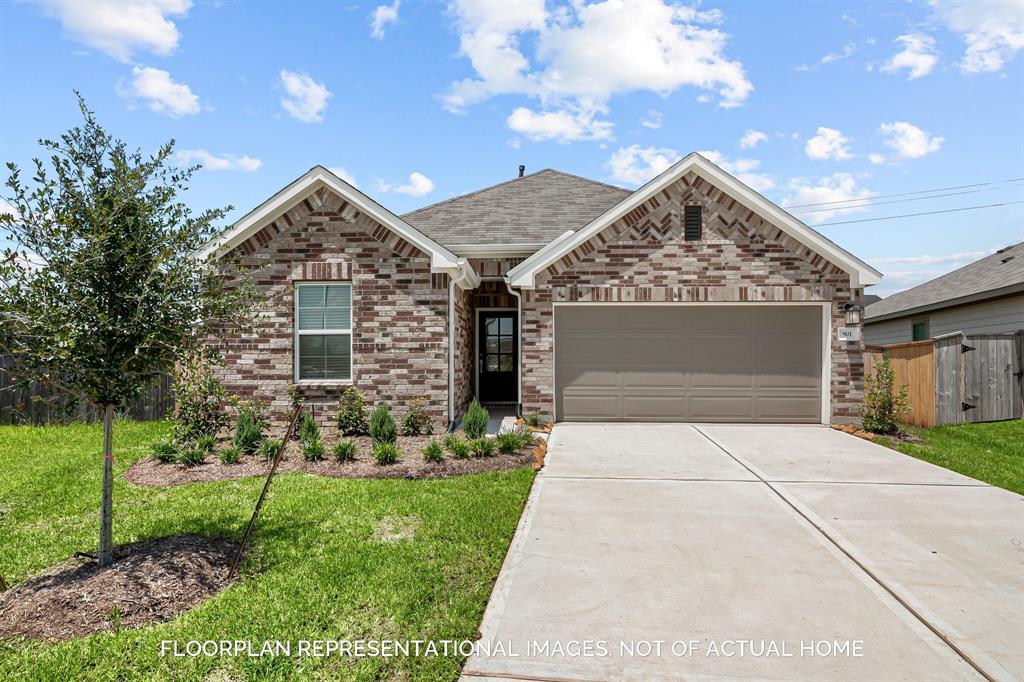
(296, 333)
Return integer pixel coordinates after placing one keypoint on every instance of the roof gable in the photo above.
(529, 211)
(860, 272)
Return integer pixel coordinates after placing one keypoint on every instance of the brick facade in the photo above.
(643, 258)
(399, 311)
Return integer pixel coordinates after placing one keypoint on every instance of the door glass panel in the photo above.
(492, 363)
(506, 344)
(506, 363)
(506, 325)
(492, 326)
(492, 345)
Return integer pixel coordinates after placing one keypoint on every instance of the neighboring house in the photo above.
(692, 298)
(985, 297)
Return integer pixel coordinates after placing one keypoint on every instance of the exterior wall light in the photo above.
(852, 313)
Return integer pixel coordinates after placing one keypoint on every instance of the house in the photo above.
(985, 297)
(692, 298)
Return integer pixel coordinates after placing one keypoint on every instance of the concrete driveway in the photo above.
(724, 552)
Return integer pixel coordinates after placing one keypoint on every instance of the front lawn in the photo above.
(991, 452)
(325, 561)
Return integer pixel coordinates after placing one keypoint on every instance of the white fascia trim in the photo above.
(496, 250)
(441, 259)
(861, 274)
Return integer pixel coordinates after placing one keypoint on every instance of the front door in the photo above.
(498, 359)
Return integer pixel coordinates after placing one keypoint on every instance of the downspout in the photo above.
(519, 360)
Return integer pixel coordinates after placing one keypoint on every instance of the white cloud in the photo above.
(752, 138)
(963, 257)
(909, 141)
(849, 49)
(382, 16)
(305, 100)
(918, 56)
(161, 93)
(828, 144)
(832, 190)
(653, 120)
(876, 159)
(562, 126)
(120, 27)
(993, 31)
(344, 175)
(585, 54)
(417, 186)
(219, 163)
(7, 208)
(743, 169)
(636, 164)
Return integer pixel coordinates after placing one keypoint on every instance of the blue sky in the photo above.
(421, 101)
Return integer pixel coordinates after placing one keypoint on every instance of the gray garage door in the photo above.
(688, 363)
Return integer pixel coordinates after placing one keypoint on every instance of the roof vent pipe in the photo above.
(522, 169)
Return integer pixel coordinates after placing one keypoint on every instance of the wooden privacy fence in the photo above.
(40, 403)
(957, 378)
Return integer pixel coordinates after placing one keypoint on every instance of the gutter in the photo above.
(519, 358)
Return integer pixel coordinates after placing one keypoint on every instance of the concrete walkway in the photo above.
(752, 553)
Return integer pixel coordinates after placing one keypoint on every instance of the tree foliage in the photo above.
(883, 403)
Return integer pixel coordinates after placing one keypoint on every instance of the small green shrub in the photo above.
(507, 442)
(249, 426)
(165, 452)
(206, 443)
(524, 436)
(433, 452)
(352, 413)
(230, 455)
(345, 450)
(313, 450)
(482, 447)
(416, 421)
(308, 429)
(198, 398)
(191, 456)
(382, 426)
(386, 453)
(269, 448)
(883, 405)
(475, 421)
(458, 448)
(533, 419)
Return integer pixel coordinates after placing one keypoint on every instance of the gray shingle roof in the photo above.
(1002, 270)
(533, 209)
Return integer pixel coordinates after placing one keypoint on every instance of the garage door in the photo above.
(688, 363)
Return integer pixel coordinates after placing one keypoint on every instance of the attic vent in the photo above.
(1007, 259)
(692, 223)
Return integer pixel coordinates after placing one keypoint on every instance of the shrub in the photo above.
(198, 396)
(458, 448)
(524, 436)
(165, 452)
(230, 455)
(416, 421)
(313, 450)
(345, 450)
(475, 421)
(191, 456)
(432, 452)
(352, 413)
(382, 426)
(883, 406)
(308, 430)
(249, 426)
(268, 449)
(206, 443)
(386, 453)
(533, 419)
(482, 447)
(507, 442)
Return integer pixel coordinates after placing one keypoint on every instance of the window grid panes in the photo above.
(499, 345)
(324, 321)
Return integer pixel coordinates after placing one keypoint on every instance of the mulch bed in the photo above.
(152, 473)
(147, 582)
(902, 436)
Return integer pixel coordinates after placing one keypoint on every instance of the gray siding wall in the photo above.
(988, 317)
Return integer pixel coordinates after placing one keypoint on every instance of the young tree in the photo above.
(102, 290)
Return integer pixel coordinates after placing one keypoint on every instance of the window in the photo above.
(920, 330)
(692, 223)
(323, 335)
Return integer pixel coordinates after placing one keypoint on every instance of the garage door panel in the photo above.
(688, 363)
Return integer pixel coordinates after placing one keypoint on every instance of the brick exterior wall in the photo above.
(465, 349)
(643, 258)
(399, 313)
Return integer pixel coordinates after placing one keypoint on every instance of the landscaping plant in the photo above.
(191, 456)
(249, 427)
(458, 448)
(883, 404)
(507, 442)
(308, 430)
(432, 452)
(198, 398)
(386, 453)
(268, 449)
(345, 450)
(165, 452)
(475, 421)
(416, 421)
(482, 447)
(206, 444)
(533, 419)
(230, 455)
(313, 450)
(100, 286)
(382, 426)
(352, 413)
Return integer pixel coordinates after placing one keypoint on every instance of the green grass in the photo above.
(311, 573)
(992, 452)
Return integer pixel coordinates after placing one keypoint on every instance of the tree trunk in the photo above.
(106, 554)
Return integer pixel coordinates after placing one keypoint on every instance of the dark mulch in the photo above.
(151, 472)
(148, 581)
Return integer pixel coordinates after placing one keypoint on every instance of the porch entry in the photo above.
(497, 356)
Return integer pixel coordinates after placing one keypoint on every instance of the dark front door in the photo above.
(499, 354)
